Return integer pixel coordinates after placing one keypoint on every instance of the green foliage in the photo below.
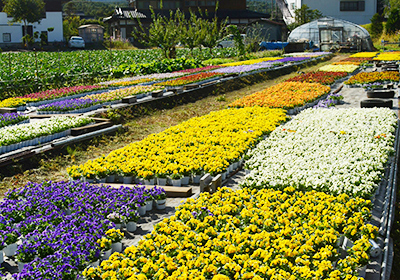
(303, 15)
(190, 33)
(96, 10)
(164, 32)
(376, 26)
(70, 26)
(19, 74)
(211, 32)
(217, 61)
(157, 66)
(27, 11)
(393, 22)
(254, 37)
(239, 44)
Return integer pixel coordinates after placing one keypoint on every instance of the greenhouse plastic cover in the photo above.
(350, 31)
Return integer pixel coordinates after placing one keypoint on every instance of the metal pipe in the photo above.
(384, 266)
(86, 136)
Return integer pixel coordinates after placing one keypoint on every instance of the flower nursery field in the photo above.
(302, 211)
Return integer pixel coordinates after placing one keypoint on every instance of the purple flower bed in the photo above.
(11, 118)
(246, 68)
(68, 105)
(331, 100)
(60, 223)
(292, 59)
(258, 66)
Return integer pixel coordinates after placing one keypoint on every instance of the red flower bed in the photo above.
(321, 77)
(189, 79)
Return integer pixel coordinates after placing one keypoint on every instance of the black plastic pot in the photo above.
(380, 94)
(371, 103)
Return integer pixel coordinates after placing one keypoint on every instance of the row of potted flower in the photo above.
(207, 144)
(28, 134)
(247, 68)
(94, 101)
(190, 79)
(349, 68)
(285, 95)
(335, 151)
(74, 224)
(44, 97)
(322, 77)
(388, 56)
(372, 77)
(8, 119)
(248, 234)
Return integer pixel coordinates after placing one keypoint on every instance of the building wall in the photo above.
(332, 8)
(53, 19)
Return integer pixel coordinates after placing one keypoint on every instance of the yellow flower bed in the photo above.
(346, 63)
(371, 77)
(208, 143)
(247, 234)
(131, 83)
(283, 95)
(364, 54)
(251, 61)
(13, 102)
(339, 68)
(388, 56)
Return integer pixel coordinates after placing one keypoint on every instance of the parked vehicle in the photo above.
(228, 41)
(76, 42)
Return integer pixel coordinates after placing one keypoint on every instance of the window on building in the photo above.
(210, 3)
(171, 4)
(190, 3)
(293, 6)
(351, 6)
(6, 37)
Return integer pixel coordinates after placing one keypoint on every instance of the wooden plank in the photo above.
(170, 191)
(216, 183)
(100, 119)
(191, 86)
(89, 128)
(205, 182)
(129, 99)
(7, 110)
(8, 160)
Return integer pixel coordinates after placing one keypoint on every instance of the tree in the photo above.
(303, 15)
(191, 35)
(70, 26)
(393, 22)
(164, 32)
(376, 25)
(254, 35)
(211, 31)
(26, 11)
(239, 44)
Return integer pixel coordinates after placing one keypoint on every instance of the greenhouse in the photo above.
(332, 34)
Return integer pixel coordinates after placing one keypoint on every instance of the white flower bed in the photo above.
(336, 151)
(23, 132)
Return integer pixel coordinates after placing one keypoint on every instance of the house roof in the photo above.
(268, 21)
(90, 26)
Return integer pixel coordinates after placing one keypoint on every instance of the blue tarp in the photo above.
(273, 45)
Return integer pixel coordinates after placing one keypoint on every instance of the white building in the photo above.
(12, 33)
(359, 12)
